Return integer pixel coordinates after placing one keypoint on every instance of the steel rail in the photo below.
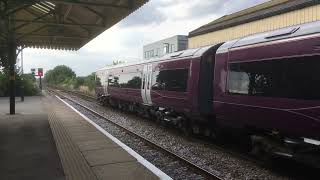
(78, 94)
(196, 168)
(227, 149)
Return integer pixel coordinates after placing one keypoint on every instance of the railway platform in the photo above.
(48, 139)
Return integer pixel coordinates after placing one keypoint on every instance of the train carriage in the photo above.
(266, 85)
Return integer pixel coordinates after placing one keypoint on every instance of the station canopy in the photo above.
(64, 24)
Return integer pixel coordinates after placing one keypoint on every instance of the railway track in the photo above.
(202, 140)
(86, 96)
(283, 168)
(197, 169)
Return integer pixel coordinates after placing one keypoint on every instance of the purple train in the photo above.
(266, 86)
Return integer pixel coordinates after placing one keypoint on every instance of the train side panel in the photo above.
(174, 85)
(125, 83)
(271, 86)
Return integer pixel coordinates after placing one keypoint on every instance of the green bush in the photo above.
(63, 76)
(60, 76)
(4, 82)
(28, 81)
(90, 81)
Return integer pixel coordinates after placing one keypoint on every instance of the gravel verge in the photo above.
(213, 159)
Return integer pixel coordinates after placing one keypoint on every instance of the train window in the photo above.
(295, 78)
(114, 81)
(130, 80)
(170, 80)
(238, 82)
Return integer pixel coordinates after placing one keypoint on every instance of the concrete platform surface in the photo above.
(48, 140)
(27, 148)
(106, 159)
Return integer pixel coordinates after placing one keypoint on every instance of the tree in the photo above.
(29, 83)
(3, 58)
(79, 82)
(116, 62)
(64, 77)
(3, 84)
(90, 81)
(60, 75)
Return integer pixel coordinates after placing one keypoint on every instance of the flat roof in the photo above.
(166, 39)
(180, 55)
(264, 10)
(63, 24)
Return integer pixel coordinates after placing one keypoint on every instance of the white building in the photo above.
(165, 46)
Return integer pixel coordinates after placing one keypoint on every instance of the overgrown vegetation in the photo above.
(116, 62)
(88, 81)
(29, 83)
(60, 76)
(64, 77)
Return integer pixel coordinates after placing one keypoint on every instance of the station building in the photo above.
(165, 46)
(274, 14)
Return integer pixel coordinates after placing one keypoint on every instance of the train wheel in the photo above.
(260, 149)
(159, 117)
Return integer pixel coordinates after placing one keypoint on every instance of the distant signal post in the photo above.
(38, 73)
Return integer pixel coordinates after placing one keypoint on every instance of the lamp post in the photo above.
(22, 83)
(12, 50)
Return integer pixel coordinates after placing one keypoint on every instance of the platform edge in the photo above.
(139, 158)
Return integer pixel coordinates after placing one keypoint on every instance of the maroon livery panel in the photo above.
(266, 85)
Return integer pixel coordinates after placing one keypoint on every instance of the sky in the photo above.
(156, 20)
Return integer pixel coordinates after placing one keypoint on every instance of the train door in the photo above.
(106, 83)
(146, 84)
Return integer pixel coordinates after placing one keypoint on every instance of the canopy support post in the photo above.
(12, 48)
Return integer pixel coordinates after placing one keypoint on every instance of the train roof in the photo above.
(284, 33)
(189, 53)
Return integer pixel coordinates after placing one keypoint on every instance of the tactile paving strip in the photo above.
(74, 164)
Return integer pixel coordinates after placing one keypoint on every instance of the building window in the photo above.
(170, 80)
(295, 78)
(166, 48)
(172, 48)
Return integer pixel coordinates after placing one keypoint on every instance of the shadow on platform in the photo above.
(27, 148)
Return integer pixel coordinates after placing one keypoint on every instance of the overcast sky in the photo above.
(156, 20)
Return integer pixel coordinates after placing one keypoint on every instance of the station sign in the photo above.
(37, 72)
(40, 72)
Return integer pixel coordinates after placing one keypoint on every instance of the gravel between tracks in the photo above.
(213, 159)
